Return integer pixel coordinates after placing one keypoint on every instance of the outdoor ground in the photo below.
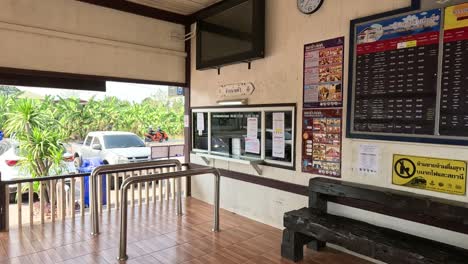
(156, 235)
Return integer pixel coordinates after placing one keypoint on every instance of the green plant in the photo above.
(41, 125)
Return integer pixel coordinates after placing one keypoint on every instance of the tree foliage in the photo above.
(38, 133)
(74, 118)
(41, 126)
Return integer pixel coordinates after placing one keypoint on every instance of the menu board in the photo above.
(321, 153)
(395, 85)
(322, 108)
(454, 92)
(323, 73)
(410, 77)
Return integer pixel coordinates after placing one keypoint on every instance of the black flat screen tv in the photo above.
(230, 32)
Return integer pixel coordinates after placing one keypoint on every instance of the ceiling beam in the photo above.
(213, 9)
(142, 10)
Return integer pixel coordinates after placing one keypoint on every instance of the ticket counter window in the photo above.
(250, 135)
(229, 133)
(200, 131)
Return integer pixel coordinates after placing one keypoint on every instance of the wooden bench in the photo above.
(314, 227)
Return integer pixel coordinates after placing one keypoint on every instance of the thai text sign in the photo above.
(236, 90)
(440, 175)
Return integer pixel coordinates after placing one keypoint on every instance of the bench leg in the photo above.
(316, 245)
(293, 243)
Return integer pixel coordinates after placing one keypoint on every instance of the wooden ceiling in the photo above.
(175, 11)
(183, 7)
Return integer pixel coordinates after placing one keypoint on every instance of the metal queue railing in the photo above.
(165, 176)
(60, 191)
(53, 185)
(141, 168)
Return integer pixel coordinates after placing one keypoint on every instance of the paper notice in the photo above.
(186, 121)
(252, 145)
(368, 163)
(252, 127)
(200, 123)
(278, 135)
(236, 147)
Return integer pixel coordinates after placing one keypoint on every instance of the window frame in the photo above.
(96, 141)
(262, 109)
(85, 143)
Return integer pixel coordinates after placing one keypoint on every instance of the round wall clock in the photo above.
(309, 6)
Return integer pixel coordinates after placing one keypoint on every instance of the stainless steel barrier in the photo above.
(145, 178)
(124, 168)
(54, 185)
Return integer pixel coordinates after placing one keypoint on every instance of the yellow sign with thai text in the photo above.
(456, 16)
(439, 175)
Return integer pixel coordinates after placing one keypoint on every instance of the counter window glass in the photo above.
(236, 133)
(200, 131)
(286, 154)
(249, 135)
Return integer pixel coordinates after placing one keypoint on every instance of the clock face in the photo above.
(309, 6)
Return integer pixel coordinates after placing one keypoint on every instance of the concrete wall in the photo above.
(278, 79)
(75, 37)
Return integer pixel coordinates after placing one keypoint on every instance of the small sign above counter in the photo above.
(236, 90)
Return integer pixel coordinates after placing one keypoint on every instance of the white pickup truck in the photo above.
(112, 147)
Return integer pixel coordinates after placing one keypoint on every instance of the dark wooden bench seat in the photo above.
(314, 227)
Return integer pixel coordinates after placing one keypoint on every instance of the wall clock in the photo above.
(309, 6)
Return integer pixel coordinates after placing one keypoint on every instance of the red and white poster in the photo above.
(322, 101)
(323, 73)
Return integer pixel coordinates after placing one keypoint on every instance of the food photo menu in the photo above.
(322, 107)
(323, 73)
(321, 136)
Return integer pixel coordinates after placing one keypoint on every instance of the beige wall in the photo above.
(278, 79)
(75, 37)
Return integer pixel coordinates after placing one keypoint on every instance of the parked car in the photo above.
(112, 147)
(10, 164)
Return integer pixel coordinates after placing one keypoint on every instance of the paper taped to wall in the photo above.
(278, 135)
(368, 159)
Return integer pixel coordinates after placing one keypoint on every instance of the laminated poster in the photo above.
(321, 141)
(323, 73)
(432, 174)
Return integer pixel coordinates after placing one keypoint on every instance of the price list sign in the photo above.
(454, 89)
(395, 83)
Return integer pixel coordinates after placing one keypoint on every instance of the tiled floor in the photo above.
(156, 235)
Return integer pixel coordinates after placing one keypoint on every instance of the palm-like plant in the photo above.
(5, 105)
(38, 136)
(23, 116)
(42, 151)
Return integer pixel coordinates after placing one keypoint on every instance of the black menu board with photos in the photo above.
(409, 79)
